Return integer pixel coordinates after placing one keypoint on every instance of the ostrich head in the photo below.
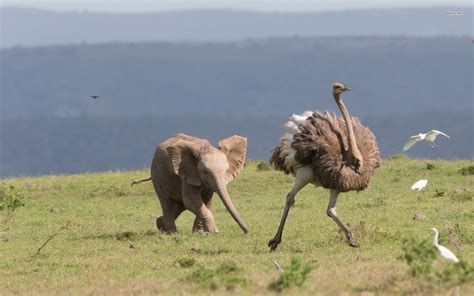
(338, 88)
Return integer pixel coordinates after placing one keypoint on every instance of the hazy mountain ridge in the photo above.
(213, 90)
(251, 78)
(32, 27)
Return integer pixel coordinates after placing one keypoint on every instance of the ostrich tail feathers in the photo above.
(283, 156)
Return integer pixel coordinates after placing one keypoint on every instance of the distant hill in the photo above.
(32, 27)
(250, 78)
(400, 86)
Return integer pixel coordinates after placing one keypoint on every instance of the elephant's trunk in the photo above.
(224, 195)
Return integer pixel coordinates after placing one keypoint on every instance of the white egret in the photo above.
(445, 252)
(429, 137)
(419, 185)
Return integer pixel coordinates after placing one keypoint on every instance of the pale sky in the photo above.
(265, 5)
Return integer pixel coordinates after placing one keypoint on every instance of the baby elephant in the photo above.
(186, 171)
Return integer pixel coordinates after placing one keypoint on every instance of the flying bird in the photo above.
(95, 97)
(444, 252)
(419, 185)
(429, 137)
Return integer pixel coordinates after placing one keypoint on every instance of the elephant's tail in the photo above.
(140, 180)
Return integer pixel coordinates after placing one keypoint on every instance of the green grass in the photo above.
(107, 242)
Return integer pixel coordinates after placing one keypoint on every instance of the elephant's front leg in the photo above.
(204, 216)
(195, 199)
(199, 224)
(204, 222)
(202, 226)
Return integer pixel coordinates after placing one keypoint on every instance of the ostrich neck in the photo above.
(353, 149)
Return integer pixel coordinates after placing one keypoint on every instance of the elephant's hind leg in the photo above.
(171, 211)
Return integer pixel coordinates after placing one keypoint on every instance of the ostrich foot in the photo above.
(354, 244)
(273, 243)
(350, 239)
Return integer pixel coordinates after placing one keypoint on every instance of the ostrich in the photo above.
(339, 154)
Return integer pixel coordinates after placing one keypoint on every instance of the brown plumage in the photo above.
(335, 152)
(322, 144)
(278, 161)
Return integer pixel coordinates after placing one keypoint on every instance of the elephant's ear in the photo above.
(235, 148)
(184, 156)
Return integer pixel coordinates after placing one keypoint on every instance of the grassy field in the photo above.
(106, 241)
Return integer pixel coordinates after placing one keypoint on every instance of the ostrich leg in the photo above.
(304, 175)
(331, 212)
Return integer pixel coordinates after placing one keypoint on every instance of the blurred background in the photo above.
(217, 68)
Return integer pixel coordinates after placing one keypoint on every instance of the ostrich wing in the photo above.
(411, 141)
(431, 135)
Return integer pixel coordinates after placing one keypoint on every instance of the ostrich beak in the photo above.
(347, 88)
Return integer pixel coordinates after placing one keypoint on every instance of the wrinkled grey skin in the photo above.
(187, 171)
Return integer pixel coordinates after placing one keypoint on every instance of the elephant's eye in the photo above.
(205, 172)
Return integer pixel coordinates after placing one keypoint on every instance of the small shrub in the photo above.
(202, 276)
(10, 200)
(455, 274)
(263, 166)
(467, 171)
(430, 166)
(438, 193)
(419, 255)
(226, 275)
(185, 262)
(293, 275)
